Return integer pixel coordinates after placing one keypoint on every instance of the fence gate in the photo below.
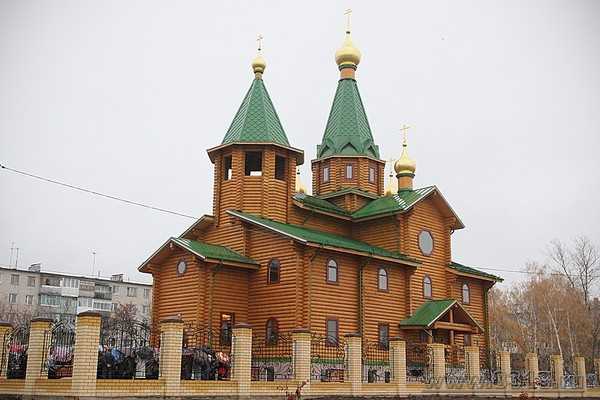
(128, 349)
(419, 362)
(456, 364)
(272, 359)
(490, 370)
(327, 359)
(375, 362)
(14, 352)
(57, 357)
(205, 354)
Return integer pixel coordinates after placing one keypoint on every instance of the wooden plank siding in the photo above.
(338, 179)
(382, 232)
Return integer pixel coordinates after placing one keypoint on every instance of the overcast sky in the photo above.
(124, 97)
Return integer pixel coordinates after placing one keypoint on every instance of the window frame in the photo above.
(464, 286)
(351, 166)
(227, 172)
(15, 280)
(432, 242)
(31, 279)
(11, 296)
(326, 173)
(373, 170)
(27, 298)
(269, 281)
(284, 164)
(383, 346)
(387, 279)
(470, 339)
(427, 277)
(329, 342)
(274, 328)
(247, 170)
(337, 272)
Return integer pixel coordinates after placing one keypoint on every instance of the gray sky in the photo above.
(124, 97)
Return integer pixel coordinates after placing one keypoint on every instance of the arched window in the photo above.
(427, 287)
(273, 271)
(466, 294)
(271, 331)
(382, 279)
(332, 271)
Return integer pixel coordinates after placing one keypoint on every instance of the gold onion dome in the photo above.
(259, 64)
(405, 164)
(300, 188)
(348, 55)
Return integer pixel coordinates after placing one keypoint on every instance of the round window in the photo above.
(426, 242)
(181, 267)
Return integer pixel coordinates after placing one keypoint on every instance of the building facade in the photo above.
(356, 255)
(33, 292)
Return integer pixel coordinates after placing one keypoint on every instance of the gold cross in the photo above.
(348, 13)
(404, 130)
(259, 40)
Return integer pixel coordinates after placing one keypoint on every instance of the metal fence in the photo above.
(205, 354)
(128, 349)
(419, 362)
(59, 345)
(327, 359)
(456, 364)
(14, 352)
(545, 377)
(375, 362)
(519, 374)
(489, 370)
(272, 359)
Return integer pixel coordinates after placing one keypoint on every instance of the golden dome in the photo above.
(300, 188)
(347, 55)
(405, 165)
(259, 64)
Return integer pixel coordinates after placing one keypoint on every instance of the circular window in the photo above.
(181, 267)
(426, 242)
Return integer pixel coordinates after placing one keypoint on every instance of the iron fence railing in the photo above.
(545, 378)
(205, 355)
(375, 362)
(128, 349)
(327, 359)
(272, 359)
(489, 370)
(456, 364)
(519, 374)
(419, 362)
(59, 345)
(14, 352)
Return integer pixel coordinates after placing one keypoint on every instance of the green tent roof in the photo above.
(470, 270)
(428, 313)
(347, 132)
(309, 235)
(256, 121)
(313, 202)
(212, 251)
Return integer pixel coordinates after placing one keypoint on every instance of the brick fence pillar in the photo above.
(5, 329)
(597, 368)
(580, 374)
(472, 363)
(354, 358)
(532, 367)
(171, 339)
(398, 363)
(36, 352)
(505, 368)
(558, 370)
(85, 354)
(241, 346)
(301, 355)
(438, 351)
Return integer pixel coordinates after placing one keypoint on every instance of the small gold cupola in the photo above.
(348, 56)
(259, 64)
(405, 167)
(299, 186)
(390, 186)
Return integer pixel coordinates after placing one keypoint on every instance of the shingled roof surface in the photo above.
(256, 120)
(428, 313)
(319, 237)
(347, 132)
(212, 251)
(470, 270)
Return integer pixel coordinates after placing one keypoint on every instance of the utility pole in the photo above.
(12, 250)
(17, 258)
(93, 261)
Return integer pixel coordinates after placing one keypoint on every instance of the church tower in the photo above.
(348, 170)
(255, 166)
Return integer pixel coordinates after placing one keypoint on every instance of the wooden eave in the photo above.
(368, 255)
(473, 276)
(202, 223)
(348, 156)
(299, 153)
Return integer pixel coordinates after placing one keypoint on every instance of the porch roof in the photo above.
(429, 314)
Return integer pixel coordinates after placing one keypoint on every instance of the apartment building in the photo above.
(32, 292)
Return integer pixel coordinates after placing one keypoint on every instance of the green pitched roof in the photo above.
(428, 313)
(347, 132)
(313, 202)
(256, 121)
(309, 235)
(399, 202)
(212, 251)
(470, 270)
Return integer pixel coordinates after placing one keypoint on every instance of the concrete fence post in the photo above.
(558, 374)
(171, 339)
(85, 354)
(36, 352)
(532, 367)
(438, 351)
(580, 373)
(472, 363)
(398, 363)
(597, 368)
(354, 358)
(5, 329)
(301, 355)
(241, 346)
(505, 369)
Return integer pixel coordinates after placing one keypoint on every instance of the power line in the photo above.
(108, 196)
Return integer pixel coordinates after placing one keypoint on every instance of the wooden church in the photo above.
(356, 255)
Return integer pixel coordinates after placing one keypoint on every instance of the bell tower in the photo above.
(348, 169)
(255, 166)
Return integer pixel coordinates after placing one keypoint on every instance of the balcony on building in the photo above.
(102, 292)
